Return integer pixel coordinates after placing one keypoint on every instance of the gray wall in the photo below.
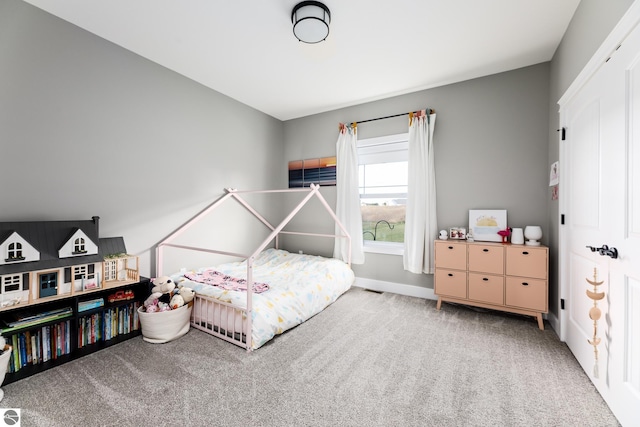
(590, 26)
(88, 128)
(490, 147)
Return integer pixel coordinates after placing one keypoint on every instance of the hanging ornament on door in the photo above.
(594, 314)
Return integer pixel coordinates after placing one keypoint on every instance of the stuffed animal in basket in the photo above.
(187, 294)
(161, 294)
(163, 284)
(183, 296)
(176, 301)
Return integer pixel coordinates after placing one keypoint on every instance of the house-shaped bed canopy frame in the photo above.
(312, 192)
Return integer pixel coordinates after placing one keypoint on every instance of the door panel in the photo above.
(603, 208)
(630, 255)
(584, 191)
(582, 326)
(632, 354)
(48, 284)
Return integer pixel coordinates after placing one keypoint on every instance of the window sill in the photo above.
(385, 248)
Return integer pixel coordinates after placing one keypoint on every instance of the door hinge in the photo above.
(561, 219)
(563, 133)
(561, 303)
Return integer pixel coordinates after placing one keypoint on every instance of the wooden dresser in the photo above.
(497, 276)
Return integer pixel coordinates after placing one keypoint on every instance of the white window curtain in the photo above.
(348, 197)
(421, 225)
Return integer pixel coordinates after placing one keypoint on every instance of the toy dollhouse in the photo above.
(44, 260)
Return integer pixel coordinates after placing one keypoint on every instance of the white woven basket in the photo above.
(165, 326)
(4, 365)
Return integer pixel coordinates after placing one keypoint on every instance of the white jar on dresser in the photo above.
(512, 278)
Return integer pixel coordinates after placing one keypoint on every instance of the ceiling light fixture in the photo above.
(310, 21)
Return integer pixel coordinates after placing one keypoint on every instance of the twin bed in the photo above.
(288, 288)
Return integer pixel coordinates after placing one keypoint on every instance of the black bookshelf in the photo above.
(71, 336)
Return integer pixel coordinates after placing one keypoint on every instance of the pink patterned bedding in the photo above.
(223, 281)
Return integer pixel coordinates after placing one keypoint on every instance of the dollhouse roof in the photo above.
(48, 236)
(112, 245)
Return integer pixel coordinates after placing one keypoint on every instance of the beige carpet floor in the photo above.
(368, 360)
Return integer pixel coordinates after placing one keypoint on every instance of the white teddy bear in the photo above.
(163, 284)
(186, 293)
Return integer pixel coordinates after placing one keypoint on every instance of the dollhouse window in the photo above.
(14, 252)
(82, 272)
(11, 283)
(110, 270)
(78, 246)
(79, 272)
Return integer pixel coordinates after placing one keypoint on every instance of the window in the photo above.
(383, 180)
(78, 246)
(84, 272)
(79, 272)
(14, 251)
(110, 270)
(11, 283)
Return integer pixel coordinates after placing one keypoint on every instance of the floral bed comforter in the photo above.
(300, 286)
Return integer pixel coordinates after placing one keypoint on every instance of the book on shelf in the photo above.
(40, 345)
(27, 319)
(90, 304)
(35, 354)
(44, 335)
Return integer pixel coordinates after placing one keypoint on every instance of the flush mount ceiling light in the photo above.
(311, 21)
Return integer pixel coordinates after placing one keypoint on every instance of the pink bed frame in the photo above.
(224, 320)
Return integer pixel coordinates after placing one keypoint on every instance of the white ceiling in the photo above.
(375, 49)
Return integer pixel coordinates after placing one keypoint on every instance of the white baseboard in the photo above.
(396, 288)
(554, 322)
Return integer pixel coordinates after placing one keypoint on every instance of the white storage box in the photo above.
(165, 326)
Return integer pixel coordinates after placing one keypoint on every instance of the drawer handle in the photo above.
(450, 247)
(485, 279)
(485, 250)
(525, 253)
(525, 284)
(450, 274)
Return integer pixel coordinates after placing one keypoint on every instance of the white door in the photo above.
(601, 187)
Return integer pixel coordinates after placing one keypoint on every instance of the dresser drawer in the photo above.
(450, 283)
(527, 262)
(486, 259)
(530, 294)
(486, 288)
(451, 255)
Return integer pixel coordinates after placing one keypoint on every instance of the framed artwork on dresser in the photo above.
(484, 224)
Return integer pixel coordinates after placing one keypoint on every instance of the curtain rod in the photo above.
(430, 110)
